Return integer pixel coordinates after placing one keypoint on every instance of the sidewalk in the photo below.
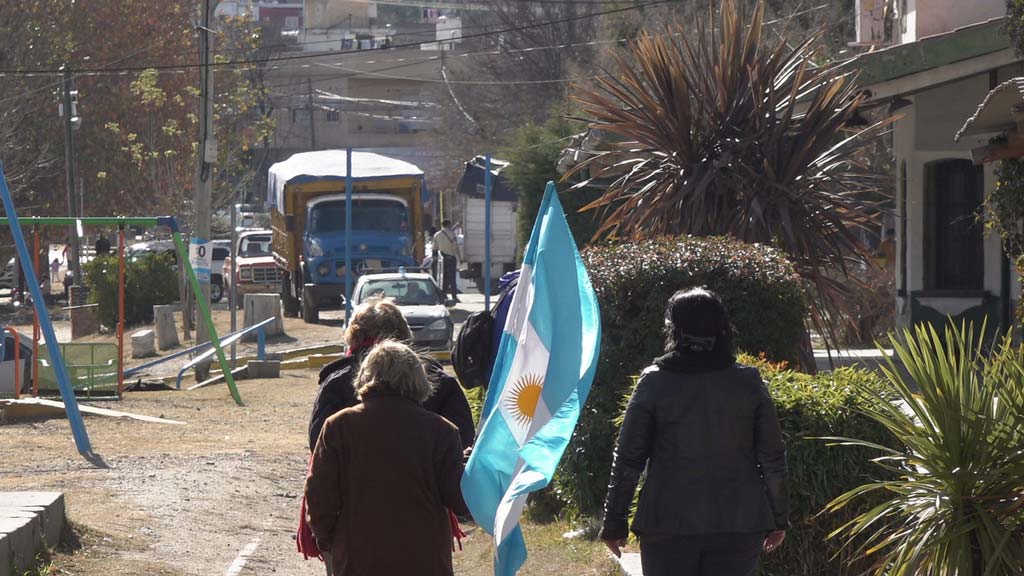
(630, 564)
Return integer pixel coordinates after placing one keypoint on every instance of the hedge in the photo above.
(149, 280)
(633, 282)
(811, 407)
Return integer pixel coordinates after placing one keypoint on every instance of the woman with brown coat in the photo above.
(385, 473)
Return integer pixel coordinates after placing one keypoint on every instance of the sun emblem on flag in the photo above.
(524, 397)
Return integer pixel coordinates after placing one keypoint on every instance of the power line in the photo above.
(266, 60)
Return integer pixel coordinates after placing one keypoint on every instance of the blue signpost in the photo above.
(66, 391)
(348, 235)
(487, 232)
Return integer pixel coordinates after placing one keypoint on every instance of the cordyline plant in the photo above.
(951, 502)
(735, 133)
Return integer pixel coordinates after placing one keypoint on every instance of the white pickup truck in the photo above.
(257, 272)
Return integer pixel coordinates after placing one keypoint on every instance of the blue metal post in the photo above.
(66, 392)
(487, 233)
(348, 235)
(261, 343)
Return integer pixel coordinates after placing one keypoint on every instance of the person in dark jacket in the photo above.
(705, 430)
(375, 321)
(384, 478)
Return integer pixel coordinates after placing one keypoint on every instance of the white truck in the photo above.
(504, 205)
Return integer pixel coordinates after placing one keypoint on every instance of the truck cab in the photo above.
(381, 239)
(255, 271)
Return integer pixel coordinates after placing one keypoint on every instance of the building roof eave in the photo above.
(934, 60)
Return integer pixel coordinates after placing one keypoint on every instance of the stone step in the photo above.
(29, 521)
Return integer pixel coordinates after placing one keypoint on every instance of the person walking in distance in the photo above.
(705, 429)
(444, 242)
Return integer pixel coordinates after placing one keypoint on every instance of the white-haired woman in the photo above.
(386, 467)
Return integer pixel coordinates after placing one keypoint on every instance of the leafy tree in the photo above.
(136, 146)
(534, 155)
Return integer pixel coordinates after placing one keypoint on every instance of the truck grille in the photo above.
(266, 274)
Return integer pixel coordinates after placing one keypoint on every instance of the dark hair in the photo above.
(446, 223)
(698, 327)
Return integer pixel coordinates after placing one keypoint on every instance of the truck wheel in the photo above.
(310, 313)
(216, 291)
(290, 304)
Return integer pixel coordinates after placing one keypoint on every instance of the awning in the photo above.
(998, 110)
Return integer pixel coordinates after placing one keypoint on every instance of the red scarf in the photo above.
(357, 348)
(304, 540)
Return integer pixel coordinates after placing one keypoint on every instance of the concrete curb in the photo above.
(29, 521)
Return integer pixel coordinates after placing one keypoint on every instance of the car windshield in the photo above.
(253, 246)
(407, 292)
(368, 215)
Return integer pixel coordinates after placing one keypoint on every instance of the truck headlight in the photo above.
(323, 269)
(245, 274)
(316, 249)
(439, 324)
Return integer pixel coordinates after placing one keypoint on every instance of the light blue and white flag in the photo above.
(541, 378)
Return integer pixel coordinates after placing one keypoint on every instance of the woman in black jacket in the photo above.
(705, 430)
(372, 322)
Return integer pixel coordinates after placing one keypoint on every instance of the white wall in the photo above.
(925, 134)
(928, 17)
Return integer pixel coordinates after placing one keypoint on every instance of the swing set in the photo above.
(42, 324)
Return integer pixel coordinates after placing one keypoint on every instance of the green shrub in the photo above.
(149, 281)
(811, 407)
(534, 154)
(633, 282)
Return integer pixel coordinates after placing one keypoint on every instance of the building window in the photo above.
(954, 239)
(332, 115)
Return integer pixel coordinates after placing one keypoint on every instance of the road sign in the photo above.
(200, 255)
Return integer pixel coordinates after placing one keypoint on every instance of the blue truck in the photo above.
(307, 207)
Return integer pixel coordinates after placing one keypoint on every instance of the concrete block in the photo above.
(84, 316)
(24, 534)
(49, 506)
(259, 307)
(166, 327)
(143, 344)
(263, 369)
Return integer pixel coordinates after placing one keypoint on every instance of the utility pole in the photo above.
(207, 152)
(69, 112)
(312, 126)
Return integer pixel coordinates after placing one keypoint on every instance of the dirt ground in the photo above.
(185, 500)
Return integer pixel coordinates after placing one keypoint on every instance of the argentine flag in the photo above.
(541, 378)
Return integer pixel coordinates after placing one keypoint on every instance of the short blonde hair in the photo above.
(393, 368)
(377, 319)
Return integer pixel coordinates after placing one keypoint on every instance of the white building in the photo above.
(933, 62)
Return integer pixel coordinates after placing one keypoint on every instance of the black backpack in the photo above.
(471, 354)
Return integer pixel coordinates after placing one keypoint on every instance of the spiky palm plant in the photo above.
(735, 132)
(954, 503)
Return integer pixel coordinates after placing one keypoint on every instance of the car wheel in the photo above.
(216, 291)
